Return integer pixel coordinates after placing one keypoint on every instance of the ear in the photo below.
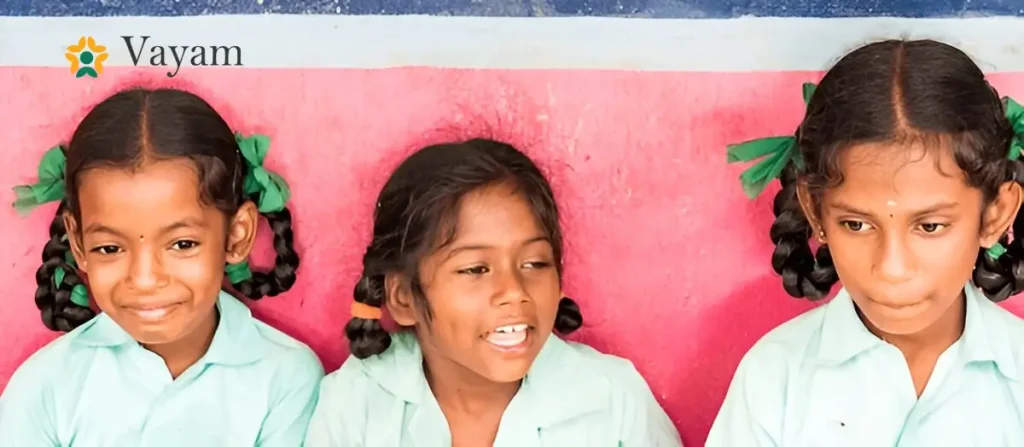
(1000, 214)
(242, 233)
(807, 205)
(74, 240)
(399, 300)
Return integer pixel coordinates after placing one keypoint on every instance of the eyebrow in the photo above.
(184, 223)
(461, 248)
(941, 206)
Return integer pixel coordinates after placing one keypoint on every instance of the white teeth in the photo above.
(511, 328)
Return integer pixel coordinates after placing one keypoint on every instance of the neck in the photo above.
(179, 355)
(935, 338)
(456, 388)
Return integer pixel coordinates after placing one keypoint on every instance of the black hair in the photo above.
(897, 91)
(416, 211)
(127, 130)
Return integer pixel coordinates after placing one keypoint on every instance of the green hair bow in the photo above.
(775, 153)
(272, 189)
(48, 188)
(1014, 113)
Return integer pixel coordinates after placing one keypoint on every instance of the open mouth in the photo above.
(510, 339)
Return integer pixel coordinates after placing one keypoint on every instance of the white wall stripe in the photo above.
(319, 41)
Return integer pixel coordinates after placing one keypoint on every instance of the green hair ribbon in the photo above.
(775, 153)
(271, 188)
(1015, 114)
(239, 272)
(79, 294)
(48, 188)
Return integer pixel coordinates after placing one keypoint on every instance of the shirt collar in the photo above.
(559, 385)
(844, 336)
(235, 342)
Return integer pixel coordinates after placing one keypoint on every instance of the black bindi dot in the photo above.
(842, 424)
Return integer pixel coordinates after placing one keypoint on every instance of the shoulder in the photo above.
(1009, 320)
(1007, 330)
(53, 374)
(785, 346)
(287, 351)
(40, 369)
(634, 411)
(608, 368)
(61, 358)
(360, 387)
(387, 370)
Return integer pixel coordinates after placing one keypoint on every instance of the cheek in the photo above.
(959, 252)
(545, 290)
(456, 305)
(102, 278)
(203, 271)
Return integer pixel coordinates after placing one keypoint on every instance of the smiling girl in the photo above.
(158, 201)
(467, 258)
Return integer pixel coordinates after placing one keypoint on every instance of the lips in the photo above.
(153, 311)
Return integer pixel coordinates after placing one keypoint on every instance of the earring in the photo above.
(821, 236)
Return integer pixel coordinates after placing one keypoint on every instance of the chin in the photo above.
(156, 336)
(901, 327)
(507, 373)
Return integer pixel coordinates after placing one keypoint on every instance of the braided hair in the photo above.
(415, 210)
(140, 125)
(896, 90)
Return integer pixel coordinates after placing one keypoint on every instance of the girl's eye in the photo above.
(537, 265)
(106, 250)
(185, 245)
(856, 226)
(478, 270)
(932, 227)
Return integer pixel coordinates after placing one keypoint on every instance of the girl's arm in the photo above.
(286, 423)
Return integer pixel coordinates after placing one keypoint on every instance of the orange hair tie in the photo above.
(365, 311)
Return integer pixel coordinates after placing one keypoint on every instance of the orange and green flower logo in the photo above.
(86, 57)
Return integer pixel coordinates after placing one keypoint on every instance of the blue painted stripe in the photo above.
(283, 41)
(523, 8)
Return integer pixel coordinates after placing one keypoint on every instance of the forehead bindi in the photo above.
(889, 180)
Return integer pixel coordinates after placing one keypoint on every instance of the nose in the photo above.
(146, 272)
(894, 262)
(510, 288)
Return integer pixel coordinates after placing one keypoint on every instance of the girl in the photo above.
(157, 199)
(905, 169)
(467, 258)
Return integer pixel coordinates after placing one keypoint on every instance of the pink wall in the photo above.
(666, 256)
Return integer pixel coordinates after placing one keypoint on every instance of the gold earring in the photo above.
(821, 236)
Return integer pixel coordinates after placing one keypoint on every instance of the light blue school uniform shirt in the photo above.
(823, 379)
(97, 387)
(573, 396)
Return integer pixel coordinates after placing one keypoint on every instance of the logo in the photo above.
(86, 57)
